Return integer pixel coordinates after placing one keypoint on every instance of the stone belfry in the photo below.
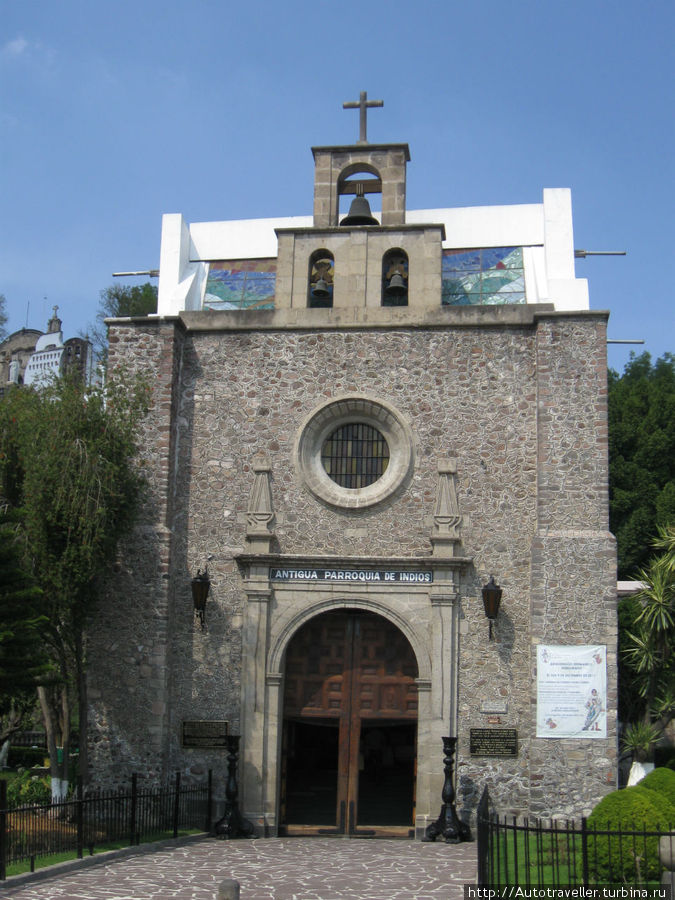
(338, 168)
(350, 259)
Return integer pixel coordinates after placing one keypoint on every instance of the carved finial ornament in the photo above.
(260, 514)
(445, 531)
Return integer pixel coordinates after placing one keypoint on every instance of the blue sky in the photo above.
(114, 113)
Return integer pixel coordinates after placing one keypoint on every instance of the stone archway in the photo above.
(349, 741)
(424, 610)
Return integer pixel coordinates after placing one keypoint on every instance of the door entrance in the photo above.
(350, 728)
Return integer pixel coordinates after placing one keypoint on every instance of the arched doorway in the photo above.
(350, 728)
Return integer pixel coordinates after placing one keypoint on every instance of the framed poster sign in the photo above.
(572, 691)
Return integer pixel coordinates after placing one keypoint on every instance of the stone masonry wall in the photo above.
(128, 640)
(477, 394)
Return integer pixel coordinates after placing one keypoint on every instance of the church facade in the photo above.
(32, 357)
(360, 418)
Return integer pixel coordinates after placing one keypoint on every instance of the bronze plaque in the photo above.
(204, 734)
(493, 742)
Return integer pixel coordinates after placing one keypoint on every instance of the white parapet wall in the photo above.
(544, 230)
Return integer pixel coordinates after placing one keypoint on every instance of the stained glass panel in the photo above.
(241, 284)
(487, 276)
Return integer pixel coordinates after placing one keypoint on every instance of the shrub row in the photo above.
(648, 806)
(26, 757)
(26, 788)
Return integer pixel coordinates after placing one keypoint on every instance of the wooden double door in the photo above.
(350, 728)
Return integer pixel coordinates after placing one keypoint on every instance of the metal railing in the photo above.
(124, 817)
(565, 853)
(30, 739)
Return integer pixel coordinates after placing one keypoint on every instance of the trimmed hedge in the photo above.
(662, 781)
(622, 857)
(26, 757)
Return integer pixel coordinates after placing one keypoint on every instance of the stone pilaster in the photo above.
(573, 555)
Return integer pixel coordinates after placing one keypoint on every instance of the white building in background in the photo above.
(29, 357)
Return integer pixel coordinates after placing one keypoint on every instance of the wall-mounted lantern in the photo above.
(201, 584)
(492, 595)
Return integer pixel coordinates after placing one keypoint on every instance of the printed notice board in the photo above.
(572, 691)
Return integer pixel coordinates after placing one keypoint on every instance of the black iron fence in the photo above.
(123, 817)
(566, 853)
(39, 739)
(30, 739)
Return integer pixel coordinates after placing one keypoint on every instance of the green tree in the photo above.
(641, 456)
(67, 468)
(23, 658)
(647, 639)
(118, 301)
(666, 542)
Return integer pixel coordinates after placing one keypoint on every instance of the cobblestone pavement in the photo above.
(271, 869)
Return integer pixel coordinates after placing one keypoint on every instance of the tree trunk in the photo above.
(83, 706)
(13, 721)
(55, 706)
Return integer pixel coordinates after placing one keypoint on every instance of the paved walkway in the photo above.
(270, 869)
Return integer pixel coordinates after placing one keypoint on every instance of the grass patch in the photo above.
(536, 858)
(556, 859)
(41, 862)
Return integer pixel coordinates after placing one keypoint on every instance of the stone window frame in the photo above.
(329, 416)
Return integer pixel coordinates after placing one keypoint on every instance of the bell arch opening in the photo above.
(320, 280)
(356, 181)
(395, 278)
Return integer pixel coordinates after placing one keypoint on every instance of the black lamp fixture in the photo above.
(201, 584)
(492, 595)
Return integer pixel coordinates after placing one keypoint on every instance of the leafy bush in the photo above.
(662, 781)
(623, 857)
(26, 756)
(639, 740)
(28, 789)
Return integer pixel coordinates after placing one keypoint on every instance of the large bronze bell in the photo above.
(359, 213)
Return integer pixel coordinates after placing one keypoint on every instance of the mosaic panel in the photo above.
(486, 276)
(241, 284)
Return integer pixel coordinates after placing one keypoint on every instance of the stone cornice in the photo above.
(514, 315)
(366, 147)
(367, 318)
(289, 560)
(318, 231)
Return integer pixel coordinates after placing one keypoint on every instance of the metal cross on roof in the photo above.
(362, 105)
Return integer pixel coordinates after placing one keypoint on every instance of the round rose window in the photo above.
(354, 451)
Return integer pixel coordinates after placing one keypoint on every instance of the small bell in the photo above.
(320, 290)
(397, 286)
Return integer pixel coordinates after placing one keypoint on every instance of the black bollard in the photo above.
(447, 825)
(233, 824)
